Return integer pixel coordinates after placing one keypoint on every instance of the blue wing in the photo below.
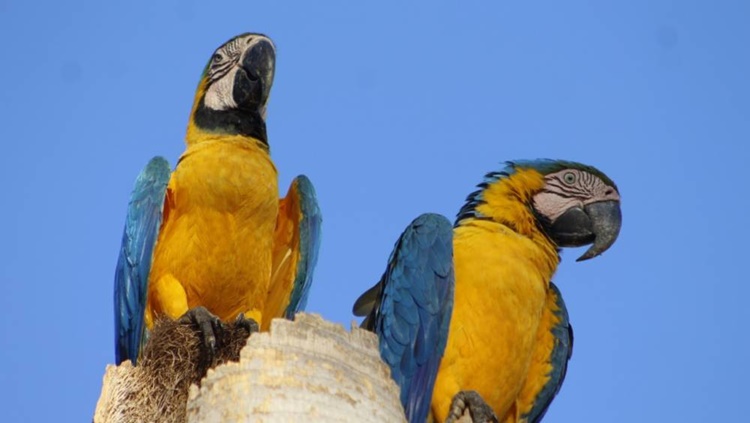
(133, 265)
(295, 251)
(309, 242)
(561, 353)
(410, 309)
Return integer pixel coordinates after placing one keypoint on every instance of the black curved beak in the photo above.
(253, 83)
(598, 223)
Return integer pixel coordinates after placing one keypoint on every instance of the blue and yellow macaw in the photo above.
(510, 338)
(213, 232)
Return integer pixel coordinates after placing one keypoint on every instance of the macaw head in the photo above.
(234, 89)
(573, 204)
(578, 205)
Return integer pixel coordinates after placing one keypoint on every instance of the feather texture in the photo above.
(295, 253)
(557, 329)
(134, 263)
(410, 308)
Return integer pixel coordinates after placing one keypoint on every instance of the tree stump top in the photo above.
(306, 370)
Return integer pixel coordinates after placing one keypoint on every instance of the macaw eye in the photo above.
(569, 178)
(217, 58)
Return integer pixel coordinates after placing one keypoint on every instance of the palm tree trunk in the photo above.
(306, 370)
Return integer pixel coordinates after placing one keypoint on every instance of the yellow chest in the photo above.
(501, 286)
(217, 232)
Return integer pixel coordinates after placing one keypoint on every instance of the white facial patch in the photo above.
(552, 205)
(222, 70)
(219, 94)
(570, 188)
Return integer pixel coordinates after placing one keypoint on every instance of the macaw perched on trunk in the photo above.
(212, 235)
(509, 339)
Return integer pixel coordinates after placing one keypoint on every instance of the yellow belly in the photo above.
(499, 296)
(214, 248)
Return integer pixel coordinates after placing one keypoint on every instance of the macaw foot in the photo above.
(470, 406)
(209, 326)
(219, 341)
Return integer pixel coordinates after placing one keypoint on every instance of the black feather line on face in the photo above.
(546, 167)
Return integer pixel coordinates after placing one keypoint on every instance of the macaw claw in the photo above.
(250, 325)
(470, 406)
(210, 327)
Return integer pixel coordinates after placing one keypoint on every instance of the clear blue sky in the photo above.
(393, 110)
